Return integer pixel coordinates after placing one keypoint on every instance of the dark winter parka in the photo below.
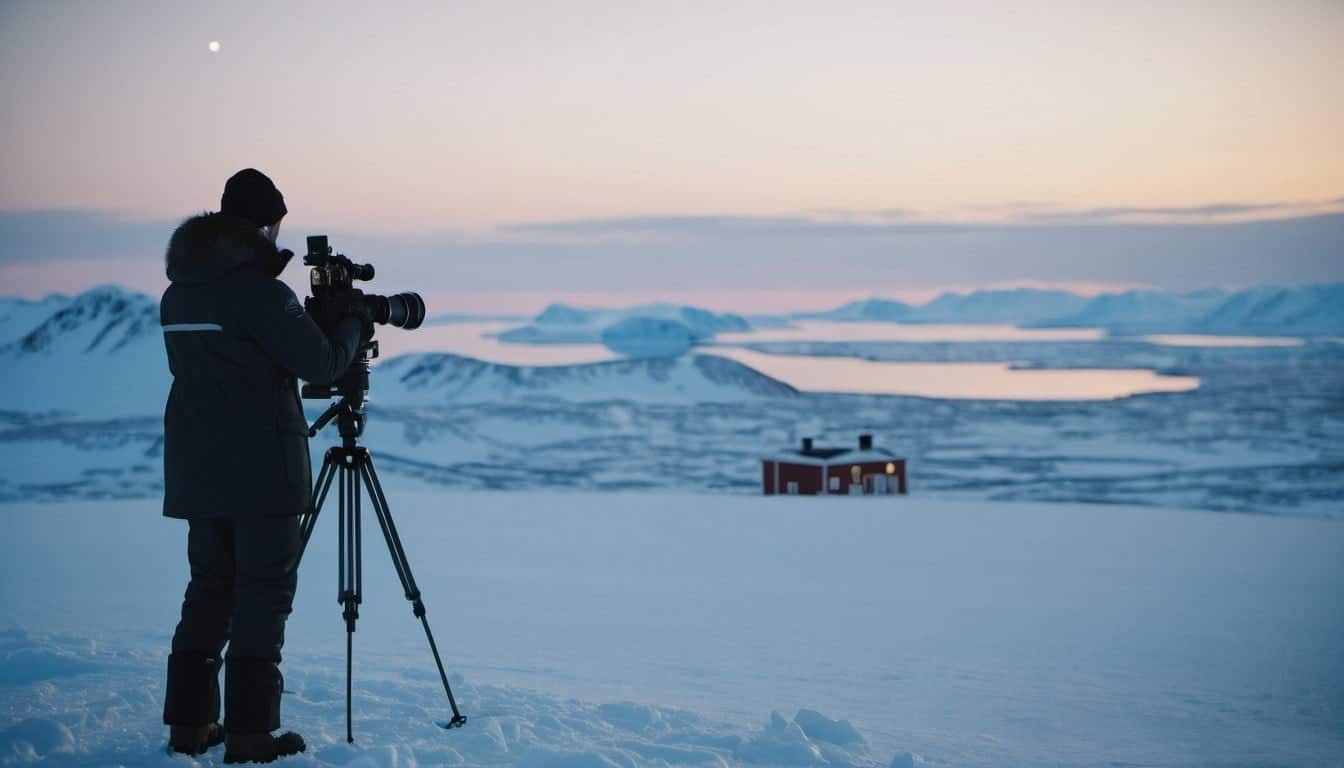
(235, 437)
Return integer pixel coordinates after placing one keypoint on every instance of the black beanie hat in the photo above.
(252, 196)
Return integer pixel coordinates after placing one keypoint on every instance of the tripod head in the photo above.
(353, 389)
(353, 384)
(349, 416)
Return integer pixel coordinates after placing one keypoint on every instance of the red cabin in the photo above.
(812, 470)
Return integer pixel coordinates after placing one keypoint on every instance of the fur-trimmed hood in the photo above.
(214, 244)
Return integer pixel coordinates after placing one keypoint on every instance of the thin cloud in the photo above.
(729, 227)
(697, 226)
(71, 250)
(53, 235)
(869, 215)
(868, 224)
(1179, 212)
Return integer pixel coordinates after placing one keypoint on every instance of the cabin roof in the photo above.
(824, 456)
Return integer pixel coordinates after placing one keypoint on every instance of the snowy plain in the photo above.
(617, 629)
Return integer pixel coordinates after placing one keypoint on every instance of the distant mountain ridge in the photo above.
(1020, 306)
(105, 319)
(1313, 310)
(441, 378)
(1138, 312)
(74, 333)
(1309, 311)
(865, 310)
(19, 316)
(100, 355)
(566, 324)
(1316, 310)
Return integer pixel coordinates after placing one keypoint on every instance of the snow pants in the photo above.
(243, 575)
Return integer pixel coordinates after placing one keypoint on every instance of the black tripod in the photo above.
(355, 466)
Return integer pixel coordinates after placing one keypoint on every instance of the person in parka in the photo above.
(236, 464)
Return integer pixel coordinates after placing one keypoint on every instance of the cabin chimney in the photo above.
(807, 443)
(865, 442)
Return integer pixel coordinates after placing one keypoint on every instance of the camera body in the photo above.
(332, 284)
(331, 281)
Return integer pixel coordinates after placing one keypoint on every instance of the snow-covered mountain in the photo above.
(1313, 310)
(430, 379)
(1139, 312)
(19, 316)
(867, 310)
(100, 354)
(565, 324)
(1020, 306)
(648, 337)
(103, 319)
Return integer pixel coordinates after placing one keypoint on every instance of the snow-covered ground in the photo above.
(663, 629)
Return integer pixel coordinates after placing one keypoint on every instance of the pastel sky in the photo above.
(498, 154)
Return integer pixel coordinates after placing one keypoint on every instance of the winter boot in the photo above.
(191, 696)
(261, 747)
(194, 740)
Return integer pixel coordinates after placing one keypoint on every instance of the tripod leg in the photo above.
(342, 533)
(358, 580)
(403, 568)
(350, 650)
(351, 578)
(308, 520)
(332, 466)
(359, 536)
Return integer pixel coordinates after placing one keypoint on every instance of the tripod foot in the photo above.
(457, 722)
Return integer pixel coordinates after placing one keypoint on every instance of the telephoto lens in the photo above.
(403, 310)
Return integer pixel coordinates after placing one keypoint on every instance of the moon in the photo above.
(214, 46)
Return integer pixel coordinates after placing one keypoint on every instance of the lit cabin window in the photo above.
(856, 474)
(891, 468)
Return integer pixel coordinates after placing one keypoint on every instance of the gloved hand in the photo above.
(355, 306)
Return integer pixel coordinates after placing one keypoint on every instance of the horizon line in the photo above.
(568, 299)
